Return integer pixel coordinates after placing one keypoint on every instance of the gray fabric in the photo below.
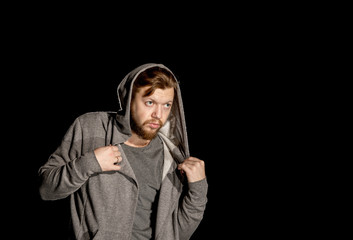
(147, 163)
(103, 204)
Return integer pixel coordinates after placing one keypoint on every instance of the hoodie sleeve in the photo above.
(68, 168)
(192, 208)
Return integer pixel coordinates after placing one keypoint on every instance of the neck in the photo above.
(136, 141)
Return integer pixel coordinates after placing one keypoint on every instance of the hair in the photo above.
(155, 77)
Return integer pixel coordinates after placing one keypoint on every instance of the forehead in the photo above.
(159, 94)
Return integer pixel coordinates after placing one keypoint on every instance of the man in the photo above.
(129, 173)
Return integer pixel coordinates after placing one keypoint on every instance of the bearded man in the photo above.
(129, 174)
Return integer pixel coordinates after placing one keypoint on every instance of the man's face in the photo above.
(148, 114)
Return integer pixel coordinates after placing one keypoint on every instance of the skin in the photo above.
(150, 112)
(150, 109)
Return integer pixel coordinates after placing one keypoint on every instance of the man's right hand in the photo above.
(108, 158)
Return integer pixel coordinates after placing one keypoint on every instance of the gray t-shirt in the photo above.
(147, 164)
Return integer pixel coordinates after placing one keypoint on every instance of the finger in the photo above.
(116, 167)
(189, 163)
(180, 166)
(183, 166)
(117, 162)
(114, 148)
(192, 159)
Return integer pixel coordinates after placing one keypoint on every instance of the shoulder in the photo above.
(90, 124)
(94, 118)
(95, 115)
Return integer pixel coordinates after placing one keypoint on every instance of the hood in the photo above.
(173, 133)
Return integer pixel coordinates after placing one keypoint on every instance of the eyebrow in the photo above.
(154, 100)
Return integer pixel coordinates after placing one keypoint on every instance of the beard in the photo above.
(143, 131)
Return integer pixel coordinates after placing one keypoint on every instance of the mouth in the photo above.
(153, 125)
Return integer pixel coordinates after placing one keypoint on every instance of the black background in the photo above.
(235, 80)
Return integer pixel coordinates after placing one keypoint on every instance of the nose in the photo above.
(157, 112)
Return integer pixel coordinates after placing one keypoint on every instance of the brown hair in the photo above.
(156, 77)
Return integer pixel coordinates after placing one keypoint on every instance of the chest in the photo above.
(146, 163)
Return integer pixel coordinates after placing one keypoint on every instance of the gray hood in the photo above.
(174, 130)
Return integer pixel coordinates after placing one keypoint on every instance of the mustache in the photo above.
(157, 121)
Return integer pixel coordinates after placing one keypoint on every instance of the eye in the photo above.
(149, 103)
(167, 105)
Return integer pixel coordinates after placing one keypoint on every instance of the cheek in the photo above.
(141, 113)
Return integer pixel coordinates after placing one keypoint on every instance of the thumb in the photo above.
(180, 166)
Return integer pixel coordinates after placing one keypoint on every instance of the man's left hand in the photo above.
(194, 169)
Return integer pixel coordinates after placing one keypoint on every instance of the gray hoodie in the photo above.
(103, 204)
